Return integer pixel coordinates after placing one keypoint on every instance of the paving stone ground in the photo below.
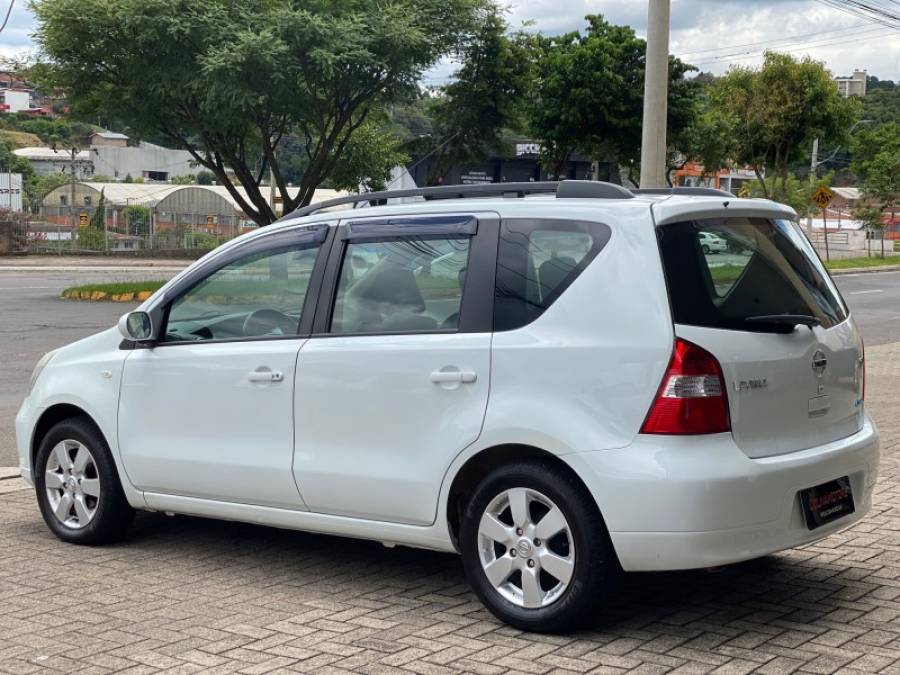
(183, 595)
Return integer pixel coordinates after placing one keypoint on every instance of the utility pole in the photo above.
(656, 95)
(813, 170)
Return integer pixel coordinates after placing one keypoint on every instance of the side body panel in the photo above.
(582, 376)
(191, 421)
(86, 374)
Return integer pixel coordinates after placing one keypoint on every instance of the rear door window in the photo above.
(537, 261)
(767, 268)
(407, 285)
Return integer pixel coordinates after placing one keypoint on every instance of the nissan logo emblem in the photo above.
(819, 363)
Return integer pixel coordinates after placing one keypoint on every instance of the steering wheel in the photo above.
(267, 321)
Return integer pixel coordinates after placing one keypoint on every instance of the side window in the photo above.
(407, 285)
(260, 295)
(537, 261)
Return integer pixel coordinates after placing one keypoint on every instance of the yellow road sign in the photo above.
(83, 219)
(822, 197)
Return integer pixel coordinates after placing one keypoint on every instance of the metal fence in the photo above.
(132, 229)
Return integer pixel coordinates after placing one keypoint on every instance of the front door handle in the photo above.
(265, 375)
(453, 376)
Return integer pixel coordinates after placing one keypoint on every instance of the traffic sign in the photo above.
(83, 219)
(822, 197)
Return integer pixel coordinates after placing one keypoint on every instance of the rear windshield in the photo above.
(732, 273)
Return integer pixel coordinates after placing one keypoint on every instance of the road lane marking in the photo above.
(871, 290)
(27, 288)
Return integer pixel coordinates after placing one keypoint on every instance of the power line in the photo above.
(820, 34)
(812, 45)
(8, 12)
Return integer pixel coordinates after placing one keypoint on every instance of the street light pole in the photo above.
(656, 94)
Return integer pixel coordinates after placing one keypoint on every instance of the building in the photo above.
(521, 166)
(854, 85)
(47, 161)
(692, 174)
(110, 155)
(108, 139)
(15, 100)
(164, 210)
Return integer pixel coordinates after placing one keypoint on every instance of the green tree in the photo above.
(137, 220)
(471, 114)
(98, 218)
(876, 160)
(187, 179)
(882, 105)
(588, 95)
(205, 178)
(229, 80)
(795, 192)
(771, 115)
(368, 160)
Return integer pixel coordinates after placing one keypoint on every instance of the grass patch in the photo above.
(849, 263)
(122, 291)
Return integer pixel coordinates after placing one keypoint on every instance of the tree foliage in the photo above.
(229, 80)
(767, 118)
(876, 160)
(588, 94)
(470, 115)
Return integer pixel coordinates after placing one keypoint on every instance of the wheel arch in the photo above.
(50, 417)
(481, 463)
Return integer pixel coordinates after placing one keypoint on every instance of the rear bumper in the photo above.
(680, 503)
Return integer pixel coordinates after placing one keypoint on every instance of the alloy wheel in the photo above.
(526, 548)
(72, 483)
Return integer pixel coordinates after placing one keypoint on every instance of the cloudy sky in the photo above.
(712, 34)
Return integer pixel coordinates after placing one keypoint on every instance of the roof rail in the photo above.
(697, 191)
(581, 189)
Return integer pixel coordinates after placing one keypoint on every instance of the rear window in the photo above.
(733, 273)
(537, 261)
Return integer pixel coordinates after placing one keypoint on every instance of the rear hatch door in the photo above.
(768, 311)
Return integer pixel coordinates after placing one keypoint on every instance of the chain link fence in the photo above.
(132, 229)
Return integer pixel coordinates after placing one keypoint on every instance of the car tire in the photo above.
(705, 249)
(77, 485)
(516, 578)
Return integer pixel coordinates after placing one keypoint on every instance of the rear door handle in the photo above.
(265, 375)
(451, 376)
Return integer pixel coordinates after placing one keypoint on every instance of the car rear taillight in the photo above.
(691, 398)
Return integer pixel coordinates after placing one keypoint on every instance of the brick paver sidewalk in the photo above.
(185, 595)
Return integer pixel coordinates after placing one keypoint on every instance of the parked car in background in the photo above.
(552, 380)
(712, 243)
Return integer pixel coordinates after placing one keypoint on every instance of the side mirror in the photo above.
(136, 326)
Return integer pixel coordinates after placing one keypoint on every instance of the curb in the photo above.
(103, 295)
(865, 270)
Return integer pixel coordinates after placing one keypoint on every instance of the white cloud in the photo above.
(704, 31)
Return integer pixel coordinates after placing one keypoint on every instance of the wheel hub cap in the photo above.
(72, 484)
(526, 548)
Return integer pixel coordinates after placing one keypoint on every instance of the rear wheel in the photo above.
(77, 485)
(705, 249)
(535, 548)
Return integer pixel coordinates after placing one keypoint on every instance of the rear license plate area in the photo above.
(827, 502)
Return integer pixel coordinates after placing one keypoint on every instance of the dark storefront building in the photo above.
(523, 166)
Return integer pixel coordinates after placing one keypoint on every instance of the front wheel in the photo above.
(535, 548)
(77, 485)
(705, 249)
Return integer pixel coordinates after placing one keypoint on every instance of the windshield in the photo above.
(766, 268)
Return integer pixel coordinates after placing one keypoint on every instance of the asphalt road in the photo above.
(33, 320)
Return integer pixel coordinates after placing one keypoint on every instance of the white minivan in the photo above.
(554, 380)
